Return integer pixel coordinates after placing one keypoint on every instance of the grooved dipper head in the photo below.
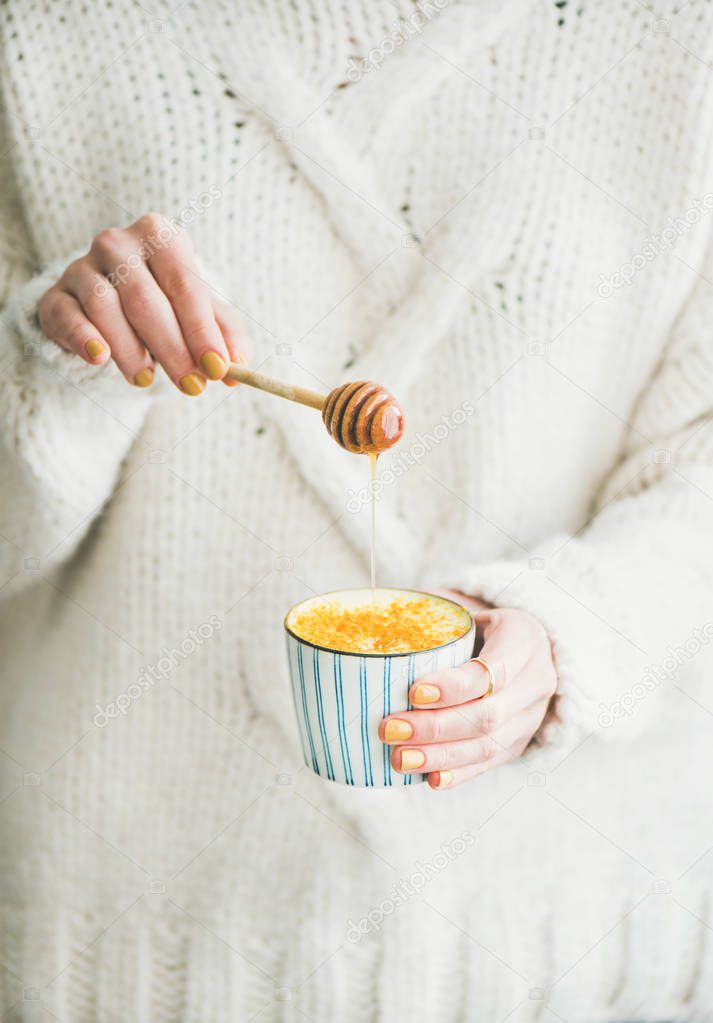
(363, 417)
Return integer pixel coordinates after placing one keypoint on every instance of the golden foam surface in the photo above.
(403, 625)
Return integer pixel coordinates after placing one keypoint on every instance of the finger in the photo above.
(451, 686)
(441, 780)
(101, 304)
(448, 779)
(444, 756)
(150, 314)
(510, 641)
(177, 275)
(146, 308)
(465, 721)
(63, 321)
(234, 335)
(487, 750)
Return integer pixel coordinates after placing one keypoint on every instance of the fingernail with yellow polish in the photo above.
(144, 378)
(397, 731)
(94, 348)
(444, 779)
(192, 384)
(426, 693)
(411, 759)
(212, 365)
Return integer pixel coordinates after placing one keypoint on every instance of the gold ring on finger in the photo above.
(491, 676)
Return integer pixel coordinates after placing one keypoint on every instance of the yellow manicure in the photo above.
(192, 383)
(212, 365)
(94, 348)
(239, 360)
(426, 693)
(411, 759)
(144, 378)
(444, 779)
(396, 730)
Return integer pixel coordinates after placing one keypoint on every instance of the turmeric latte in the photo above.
(378, 621)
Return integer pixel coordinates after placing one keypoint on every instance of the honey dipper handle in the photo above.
(254, 379)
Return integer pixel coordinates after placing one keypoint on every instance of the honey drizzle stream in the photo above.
(372, 473)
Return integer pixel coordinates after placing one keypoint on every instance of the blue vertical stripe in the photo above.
(320, 715)
(387, 710)
(300, 728)
(341, 726)
(321, 704)
(364, 706)
(410, 678)
(300, 665)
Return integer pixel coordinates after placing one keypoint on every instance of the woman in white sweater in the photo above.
(501, 211)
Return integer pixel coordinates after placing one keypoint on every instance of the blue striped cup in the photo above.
(340, 697)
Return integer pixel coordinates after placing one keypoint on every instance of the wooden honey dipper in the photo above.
(362, 417)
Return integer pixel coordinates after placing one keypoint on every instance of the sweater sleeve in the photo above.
(628, 599)
(65, 426)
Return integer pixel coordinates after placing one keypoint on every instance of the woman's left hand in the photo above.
(457, 731)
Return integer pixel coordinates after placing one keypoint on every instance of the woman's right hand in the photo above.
(137, 298)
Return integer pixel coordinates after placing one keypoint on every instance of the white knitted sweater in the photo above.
(471, 207)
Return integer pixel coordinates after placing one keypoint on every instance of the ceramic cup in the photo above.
(340, 697)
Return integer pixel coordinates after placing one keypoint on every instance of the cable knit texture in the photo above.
(502, 211)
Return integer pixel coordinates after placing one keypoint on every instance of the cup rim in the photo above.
(393, 589)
